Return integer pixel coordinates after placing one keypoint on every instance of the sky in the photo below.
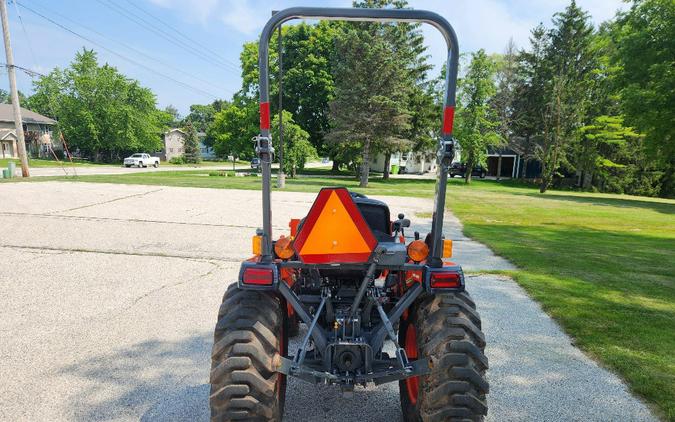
(187, 51)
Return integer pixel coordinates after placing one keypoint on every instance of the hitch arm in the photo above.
(317, 332)
(404, 303)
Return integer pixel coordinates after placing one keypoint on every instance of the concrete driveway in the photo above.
(109, 294)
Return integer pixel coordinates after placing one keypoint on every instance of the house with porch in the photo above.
(509, 162)
(38, 130)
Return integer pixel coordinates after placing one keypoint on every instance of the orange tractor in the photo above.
(378, 306)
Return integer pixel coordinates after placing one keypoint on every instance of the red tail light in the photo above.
(258, 276)
(445, 280)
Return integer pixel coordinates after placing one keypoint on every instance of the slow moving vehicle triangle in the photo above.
(334, 231)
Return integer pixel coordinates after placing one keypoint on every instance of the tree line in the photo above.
(587, 107)
(592, 107)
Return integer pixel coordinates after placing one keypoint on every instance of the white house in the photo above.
(411, 162)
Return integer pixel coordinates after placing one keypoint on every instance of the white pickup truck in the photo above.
(141, 160)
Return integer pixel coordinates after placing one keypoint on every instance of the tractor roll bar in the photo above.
(264, 147)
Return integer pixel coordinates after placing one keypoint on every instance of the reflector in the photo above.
(418, 250)
(283, 248)
(445, 280)
(334, 231)
(258, 276)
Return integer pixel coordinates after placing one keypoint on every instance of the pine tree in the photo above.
(567, 66)
(191, 153)
(369, 108)
(477, 126)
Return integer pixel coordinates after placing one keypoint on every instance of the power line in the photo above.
(150, 26)
(123, 57)
(163, 63)
(182, 34)
(27, 71)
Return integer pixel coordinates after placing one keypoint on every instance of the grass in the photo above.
(39, 162)
(602, 265)
(206, 163)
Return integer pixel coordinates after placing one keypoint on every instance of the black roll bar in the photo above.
(446, 144)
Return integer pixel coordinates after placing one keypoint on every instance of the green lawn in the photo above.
(602, 265)
(39, 162)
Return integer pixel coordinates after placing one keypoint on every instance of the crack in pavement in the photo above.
(214, 267)
(135, 195)
(113, 252)
(127, 220)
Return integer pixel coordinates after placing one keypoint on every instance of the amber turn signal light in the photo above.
(284, 247)
(447, 248)
(256, 245)
(418, 250)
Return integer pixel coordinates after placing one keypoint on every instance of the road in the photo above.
(109, 294)
(67, 170)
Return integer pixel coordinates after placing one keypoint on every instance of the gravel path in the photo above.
(108, 295)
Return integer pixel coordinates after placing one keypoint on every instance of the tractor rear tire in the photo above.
(447, 329)
(248, 340)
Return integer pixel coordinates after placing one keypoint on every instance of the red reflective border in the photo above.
(264, 116)
(448, 119)
(354, 214)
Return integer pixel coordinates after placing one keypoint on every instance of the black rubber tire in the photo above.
(293, 327)
(449, 332)
(248, 340)
(156, 165)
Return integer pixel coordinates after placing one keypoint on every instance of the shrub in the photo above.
(177, 160)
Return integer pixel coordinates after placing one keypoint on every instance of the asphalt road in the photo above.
(68, 170)
(109, 294)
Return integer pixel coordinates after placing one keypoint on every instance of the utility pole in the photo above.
(11, 72)
(281, 177)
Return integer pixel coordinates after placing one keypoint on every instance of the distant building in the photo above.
(174, 145)
(410, 162)
(514, 164)
(37, 131)
(207, 152)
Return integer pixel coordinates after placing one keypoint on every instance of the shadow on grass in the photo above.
(613, 291)
(661, 207)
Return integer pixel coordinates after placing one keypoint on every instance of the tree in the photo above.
(645, 52)
(529, 102)
(5, 98)
(308, 78)
(508, 79)
(232, 131)
(191, 152)
(369, 108)
(476, 121)
(100, 111)
(601, 141)
(297, 148)
(175, 115)
(202, 116)
(569, 61)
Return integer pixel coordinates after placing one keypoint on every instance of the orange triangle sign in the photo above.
(334, 231)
